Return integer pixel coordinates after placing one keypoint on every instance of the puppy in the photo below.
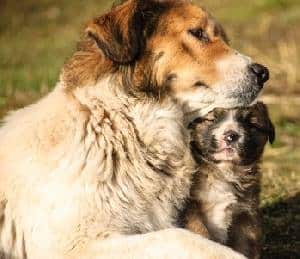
(228, 146)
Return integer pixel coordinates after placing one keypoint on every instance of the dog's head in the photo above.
(170, 48)
(236, 135)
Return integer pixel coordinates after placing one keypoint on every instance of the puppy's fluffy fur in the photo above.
(228, 145)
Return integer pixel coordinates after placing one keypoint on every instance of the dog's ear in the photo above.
(117, 33)
(264, 121)
(120, 33)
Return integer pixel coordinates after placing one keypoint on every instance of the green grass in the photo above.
(36, 37)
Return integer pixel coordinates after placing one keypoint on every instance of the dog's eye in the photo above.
(200, 34)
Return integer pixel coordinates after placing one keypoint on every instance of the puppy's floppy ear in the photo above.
(120, 32)
(264, 121)
(272, 133)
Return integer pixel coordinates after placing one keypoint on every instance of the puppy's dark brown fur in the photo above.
(228, 145)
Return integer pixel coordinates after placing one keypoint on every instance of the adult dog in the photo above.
(100, 167)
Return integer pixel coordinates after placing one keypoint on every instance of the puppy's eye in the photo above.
(200, 34)
(219, 114)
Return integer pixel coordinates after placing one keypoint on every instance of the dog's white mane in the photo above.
(94, 141)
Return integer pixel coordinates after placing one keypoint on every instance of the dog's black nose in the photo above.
(231, 137)
(261, 73)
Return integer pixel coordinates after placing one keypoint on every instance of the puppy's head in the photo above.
(170, 48)
(235, 135)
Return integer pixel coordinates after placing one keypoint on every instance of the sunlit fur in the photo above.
(225, 192)
(101, 166)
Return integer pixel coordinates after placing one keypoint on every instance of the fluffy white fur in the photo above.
(82, 175)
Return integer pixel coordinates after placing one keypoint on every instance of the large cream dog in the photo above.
(100, 167)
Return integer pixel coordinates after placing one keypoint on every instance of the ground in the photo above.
(36, 37)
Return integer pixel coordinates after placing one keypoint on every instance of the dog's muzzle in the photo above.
(260, 72)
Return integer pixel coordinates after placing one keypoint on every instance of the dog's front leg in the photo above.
(164, 244)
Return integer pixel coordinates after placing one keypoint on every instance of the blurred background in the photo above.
(37, 36)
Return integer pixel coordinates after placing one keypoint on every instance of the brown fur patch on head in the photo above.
(117, 32)
(160, 48)
(86, 65)
(184, 62)
(113, 41)
(135, 33)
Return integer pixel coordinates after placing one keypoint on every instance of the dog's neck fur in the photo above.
(150, 135)
(149, 116)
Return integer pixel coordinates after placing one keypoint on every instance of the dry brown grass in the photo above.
(284, 63)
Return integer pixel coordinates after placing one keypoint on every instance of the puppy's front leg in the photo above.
(245, 234)
(164, 244)
(193, 219)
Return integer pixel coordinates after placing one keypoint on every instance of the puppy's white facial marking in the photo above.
(225, 151)
(229, 123)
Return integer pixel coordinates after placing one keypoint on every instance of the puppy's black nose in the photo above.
(231, 137)
(261, 73)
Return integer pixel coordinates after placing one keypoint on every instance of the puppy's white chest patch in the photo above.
(216, 199)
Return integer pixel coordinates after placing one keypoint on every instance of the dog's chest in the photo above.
(144, 167)
(167, 163)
